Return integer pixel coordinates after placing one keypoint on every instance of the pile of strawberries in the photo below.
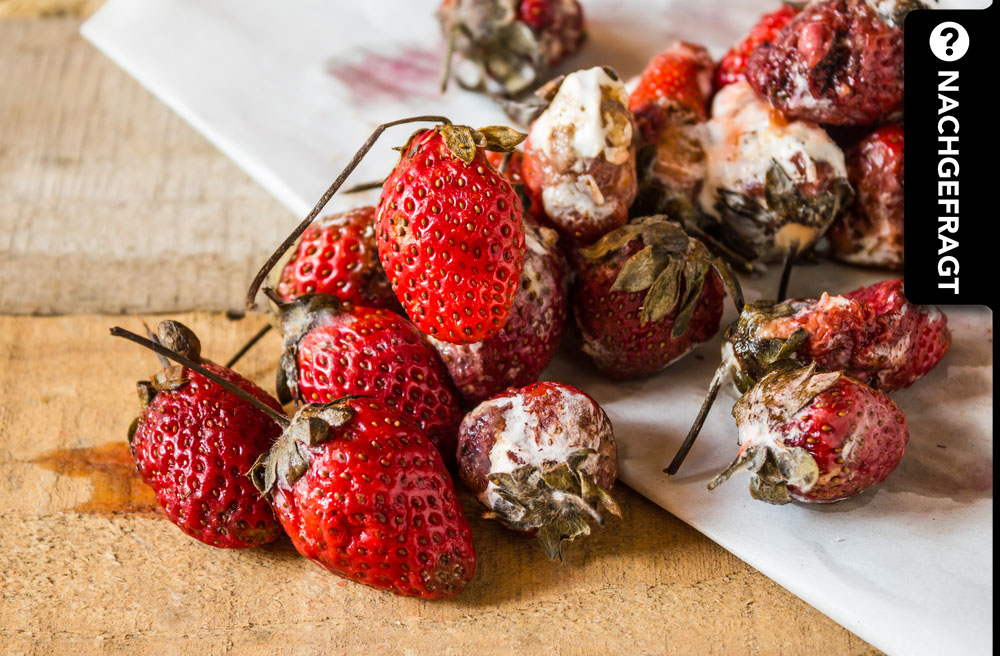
(414, 332)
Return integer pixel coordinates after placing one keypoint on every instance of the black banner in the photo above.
(948, 94)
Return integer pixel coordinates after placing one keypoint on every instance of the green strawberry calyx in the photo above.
(290, 456)
(555, 501)
(771, 403)
(671, 268)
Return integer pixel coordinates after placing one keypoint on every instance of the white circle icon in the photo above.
(949, 41)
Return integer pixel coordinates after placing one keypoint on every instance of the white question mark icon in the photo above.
(949, 41)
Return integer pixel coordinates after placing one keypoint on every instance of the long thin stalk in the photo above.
(279, 418)
(706, 406)
(324, 199)
(246, 347)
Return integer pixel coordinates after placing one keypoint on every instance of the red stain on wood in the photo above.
(116, 486)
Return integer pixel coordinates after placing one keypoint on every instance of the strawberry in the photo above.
(541, 459)
(195, 441)
(646, 294)
(514, 172)
(815, 437)
(366, 496)
(505, 46)
(872, 334)
(517, 354)
(732, 66)
(450, 233)
(774, 186)
(837, 62)
(579, 159)
(359, 490)
(332, 350)
(870, 232)
(680, 76)
(338, 256)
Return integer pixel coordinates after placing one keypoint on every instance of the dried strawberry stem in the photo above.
(505, 163)
(278, 418)
(324, 199)
(273, 296)
(246, 347)
(364, 186)
(717, 245)
(706, 406)
(149, 333)
(786, 271)
(448, 54)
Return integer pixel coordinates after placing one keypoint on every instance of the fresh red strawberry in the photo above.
(194, 444)
(450, 233)
(365, 495)
(359, 490)
(872, 334)
(647, 293)
(680, 76)
(815, 437)
(333, 350)
(542, 459)
(338, 256)
(870, 232)
(506, 46)
(732, 66)
(517, 354)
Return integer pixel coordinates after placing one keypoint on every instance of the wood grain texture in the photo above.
(89, 161)
(47, 8)
(88, 564)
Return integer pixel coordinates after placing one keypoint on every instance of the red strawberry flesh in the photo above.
(451, 240)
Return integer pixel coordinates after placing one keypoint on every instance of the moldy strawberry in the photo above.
(815, 437)
(542, 459)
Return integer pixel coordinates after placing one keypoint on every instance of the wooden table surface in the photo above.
(88, 565)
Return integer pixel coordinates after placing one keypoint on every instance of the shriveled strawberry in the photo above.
(450, 233)
(647, 293)
(338, 255)
(838, 62)
(365, 495)
(774, 185)
(732, 66)
(517, 354)
(815, 437)
(680, 76)
(506, 46)
(870, 232)
(332, 350)
(194, 444)
(579, 159)
(872, 334)
(542, 459)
